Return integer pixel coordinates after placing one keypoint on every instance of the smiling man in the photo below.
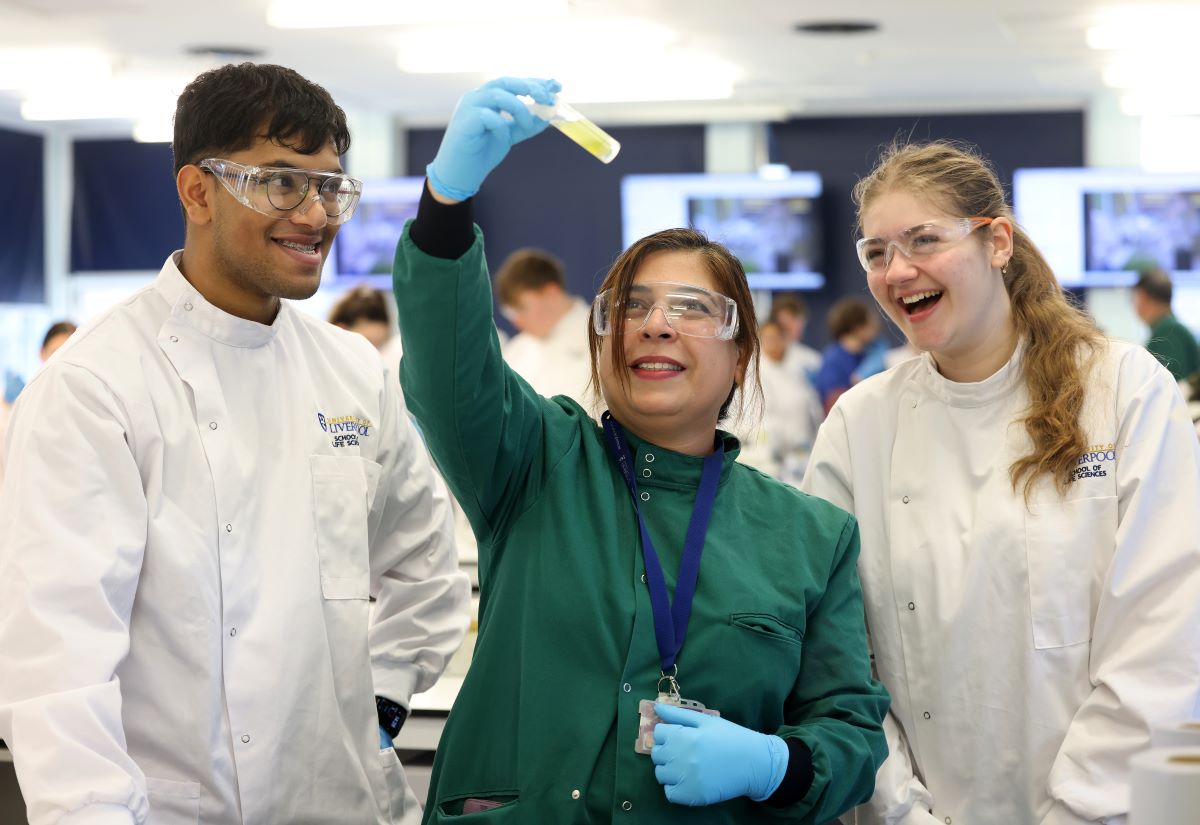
(186, 634)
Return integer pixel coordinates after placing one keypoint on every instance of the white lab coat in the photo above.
(558, 364)
(185, 565)
(792, 412)
(802, 360)
(1027, 651)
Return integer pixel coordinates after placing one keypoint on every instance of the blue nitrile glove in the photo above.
(385, 741)
(702, 760)
(479, 136)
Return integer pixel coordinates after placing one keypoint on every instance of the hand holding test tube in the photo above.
(489, 120)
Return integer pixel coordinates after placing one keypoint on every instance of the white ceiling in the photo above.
(928, 56)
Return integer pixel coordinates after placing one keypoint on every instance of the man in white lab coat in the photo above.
(205, 488)
(550, 349)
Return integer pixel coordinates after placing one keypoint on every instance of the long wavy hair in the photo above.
(730, 279)
(1060, 341)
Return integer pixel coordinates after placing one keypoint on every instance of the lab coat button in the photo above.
(928, 715)
(626, 805)
(188, 306)
(626, 687)
(246, 737)
(912, 606)
(174, 339)
(212, 425)
(233, 631)
(649, 457)
(228, 528)
(645, 496)
(575, 794)
(905, 499)
(646, 472)
(947, 820)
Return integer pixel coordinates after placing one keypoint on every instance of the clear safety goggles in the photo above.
(923, 240)
(277, 192)
(689, 310)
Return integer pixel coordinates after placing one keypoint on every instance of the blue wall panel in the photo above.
(124, 210)
(22, 249)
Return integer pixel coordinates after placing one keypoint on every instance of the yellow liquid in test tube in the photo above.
(570, 122)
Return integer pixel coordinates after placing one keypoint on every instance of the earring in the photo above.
(1004, 269)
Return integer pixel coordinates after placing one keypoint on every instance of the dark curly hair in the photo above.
(227, 109)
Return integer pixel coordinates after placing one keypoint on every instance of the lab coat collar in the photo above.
(190, 308)
(671, 469)
(977, 394)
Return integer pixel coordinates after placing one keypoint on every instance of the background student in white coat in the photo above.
(550, 348)
(205, 489)
(1029, 499)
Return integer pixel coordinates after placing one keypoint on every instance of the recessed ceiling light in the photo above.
(836, 27)
(226, 53)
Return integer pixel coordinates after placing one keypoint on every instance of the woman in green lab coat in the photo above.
(632, 569)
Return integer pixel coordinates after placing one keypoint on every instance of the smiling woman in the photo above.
(618, 563)
(1028, 492)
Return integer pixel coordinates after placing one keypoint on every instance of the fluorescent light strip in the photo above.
(319, 14)
(532, 50)
(1146, 27)
(46, 68)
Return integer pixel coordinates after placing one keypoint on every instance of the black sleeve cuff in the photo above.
(442, 230)
(392, 715)
(798, 777)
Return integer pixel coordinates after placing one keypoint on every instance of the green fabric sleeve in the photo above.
(482, 423)
(836, 707)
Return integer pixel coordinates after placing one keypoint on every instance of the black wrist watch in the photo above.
(391, 715)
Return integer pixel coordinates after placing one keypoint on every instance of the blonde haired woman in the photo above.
(1029, 498)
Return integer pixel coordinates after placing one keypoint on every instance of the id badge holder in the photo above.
(647, 718)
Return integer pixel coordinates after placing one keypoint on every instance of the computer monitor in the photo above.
(1098, 227)
(366, 244)
(773, 226)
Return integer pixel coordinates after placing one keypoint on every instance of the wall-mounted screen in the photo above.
(366, 244)
(772, 226)
(1097, 227)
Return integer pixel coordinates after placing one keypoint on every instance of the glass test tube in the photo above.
(567, 119)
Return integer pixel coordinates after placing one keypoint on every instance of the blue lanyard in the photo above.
(670, 619)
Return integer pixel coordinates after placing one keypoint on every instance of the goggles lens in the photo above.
(277, 193)
(689, 310)
(875, 254)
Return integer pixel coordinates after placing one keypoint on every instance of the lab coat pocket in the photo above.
(1063, 542)
(766, 625)
(173, 803)
(489, 806)
(400, 799)
(340, 486)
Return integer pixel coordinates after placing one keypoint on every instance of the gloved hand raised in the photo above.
(479, 135)
(702, 760)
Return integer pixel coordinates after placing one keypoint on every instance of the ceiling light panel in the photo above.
(319, 14)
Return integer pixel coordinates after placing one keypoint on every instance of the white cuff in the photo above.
(99, 814)
(918, 816)
(1060, 814)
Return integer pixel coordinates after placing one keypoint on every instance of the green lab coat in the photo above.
(548, 714)
(1174, 346)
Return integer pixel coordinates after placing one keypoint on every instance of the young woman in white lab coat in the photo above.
(1029, 499)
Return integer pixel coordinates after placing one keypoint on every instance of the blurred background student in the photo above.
(55, 337)
(550, 347)
(1170, 341)
(854, 326)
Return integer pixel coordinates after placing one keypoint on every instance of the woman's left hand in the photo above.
(702, 760)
